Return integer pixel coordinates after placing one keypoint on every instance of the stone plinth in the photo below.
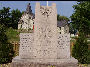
(44, 62)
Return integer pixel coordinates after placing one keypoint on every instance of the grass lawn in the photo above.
(12, 35)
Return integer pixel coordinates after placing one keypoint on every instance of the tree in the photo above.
(59, 18)
(10, 19)
(72, 30)
(81, 17)
(6, 48)
(15, 16)
(5, 16)
(80, 20)
(80, 49)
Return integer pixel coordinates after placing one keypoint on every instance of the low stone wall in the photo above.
(15, 47)
(42, 65)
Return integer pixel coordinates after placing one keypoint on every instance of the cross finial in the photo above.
(47, 3)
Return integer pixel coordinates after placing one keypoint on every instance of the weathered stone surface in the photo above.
(26, 45)
(45, 62)
(63, 47)
(45, 33)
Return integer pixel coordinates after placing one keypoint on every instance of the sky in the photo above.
(64, 8)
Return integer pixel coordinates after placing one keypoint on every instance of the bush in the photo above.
(6, 48)
(80, 49)
(88, 58)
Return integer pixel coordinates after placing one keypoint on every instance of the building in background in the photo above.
(27, 20)
(63, 27)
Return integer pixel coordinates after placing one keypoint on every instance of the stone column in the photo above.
(45, 32)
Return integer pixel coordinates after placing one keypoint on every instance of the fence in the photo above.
(5, 65)
(16, 47)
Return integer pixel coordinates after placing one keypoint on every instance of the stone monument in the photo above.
(45, 46)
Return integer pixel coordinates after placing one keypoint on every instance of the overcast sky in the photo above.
(64, 8)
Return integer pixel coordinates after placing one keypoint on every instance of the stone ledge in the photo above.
(17, 62)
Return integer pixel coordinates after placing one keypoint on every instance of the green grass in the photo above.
(72, 41)
(12, 35)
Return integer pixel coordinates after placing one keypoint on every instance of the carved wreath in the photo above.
(45, 11)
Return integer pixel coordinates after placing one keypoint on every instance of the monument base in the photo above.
(17, 62)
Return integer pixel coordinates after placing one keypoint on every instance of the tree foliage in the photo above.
(71, 29)
(5, 16)
(15, 16)
(6, 48)
(81, 17)
(10, 18)
(80, 49)
(59, 18)
(81, 22)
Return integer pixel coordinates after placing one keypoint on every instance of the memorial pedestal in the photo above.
(18, 62)
(45, 47)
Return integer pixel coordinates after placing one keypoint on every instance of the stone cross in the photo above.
(47, 3)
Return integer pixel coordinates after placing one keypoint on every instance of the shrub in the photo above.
(6, 48)
(80, 49)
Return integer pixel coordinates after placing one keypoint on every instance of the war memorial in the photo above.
(44, 47)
